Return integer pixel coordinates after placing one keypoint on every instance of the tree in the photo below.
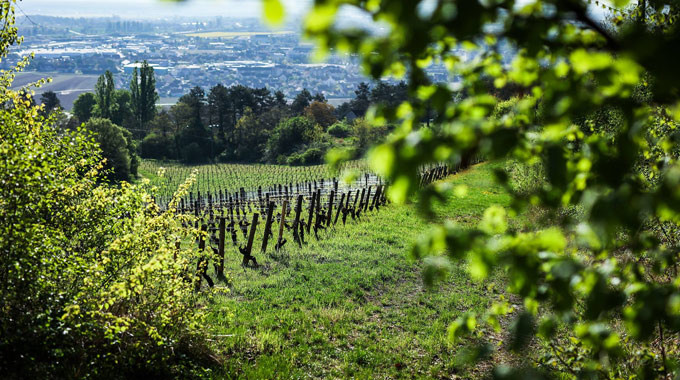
(51, 102)
(104, 95)
(180, 114)
(367, 134)
(114, 147)
(121, 112)
(321, 113)
(361, 101)
(158, 147)
(320, 97)
(161, 123)
(241, 98)
(289, 136)
(195, 140)
(280, 99)
(195, 100)
(595, 284)
(220, 105)
(263, 99)
(301, 102)
(143, 95)
(83, 106)
(389, 95)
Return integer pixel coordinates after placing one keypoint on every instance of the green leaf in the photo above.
(494, 220)
(273, 12)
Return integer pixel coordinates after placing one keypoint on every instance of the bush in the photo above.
(92, 282)
(311, 156)
(367, 134)
(294, 159)
(339, 129)
(291, 135)
(193, 154)
(116, 148)
(158, 147)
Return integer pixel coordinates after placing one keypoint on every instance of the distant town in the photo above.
(184, 54)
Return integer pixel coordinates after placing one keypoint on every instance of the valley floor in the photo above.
(353, 304)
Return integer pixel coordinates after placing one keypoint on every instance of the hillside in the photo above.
(351, 304)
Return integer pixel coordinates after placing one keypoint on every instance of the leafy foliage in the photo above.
(598, 110)
(83, 106)
(116, 147)
(80, 261)
(289, 135)
(143, 94)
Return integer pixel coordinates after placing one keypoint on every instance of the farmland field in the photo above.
(232, 177)
(67, 86)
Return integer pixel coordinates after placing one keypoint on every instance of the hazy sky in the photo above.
(155, 8)
(150, 9)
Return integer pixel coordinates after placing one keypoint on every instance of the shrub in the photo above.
(367, 134)
(158, 146)
(290, 135)
(311, 156)
(339, 129)
(92, 283)
(193, 154)
(116, 147)
(294, 159)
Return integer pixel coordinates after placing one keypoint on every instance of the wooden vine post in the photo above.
(346, 208)
(329, 216)
(268, 226)
(220, 247)
(281, 241)
(201, 266)
(247, 257)
(296, 222)
(340, 207)
(368, 198)
(311, 212)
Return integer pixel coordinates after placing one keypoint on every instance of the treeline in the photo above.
(224, 124)
(242, 124)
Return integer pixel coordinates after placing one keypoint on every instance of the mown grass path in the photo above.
(352, 305)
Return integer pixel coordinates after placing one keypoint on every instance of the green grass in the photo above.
(352, 304)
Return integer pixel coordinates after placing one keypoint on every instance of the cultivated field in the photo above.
(230, 178)
(67, 86)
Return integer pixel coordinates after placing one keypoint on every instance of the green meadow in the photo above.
(353, 303)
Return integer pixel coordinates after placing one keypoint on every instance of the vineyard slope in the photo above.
(352, 304)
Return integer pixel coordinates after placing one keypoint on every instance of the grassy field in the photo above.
(352, 304)
(236, 34)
